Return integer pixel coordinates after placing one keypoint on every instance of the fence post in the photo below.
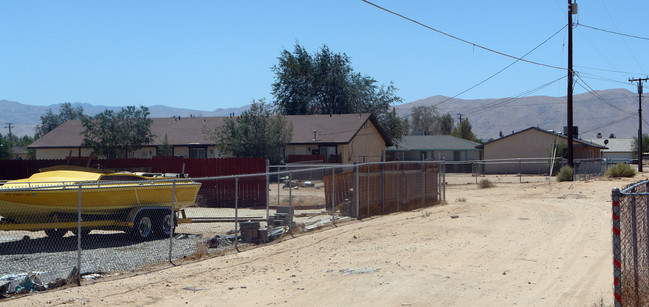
(356, 188)
(383, 188)
(405, 191)
(173, 218)
(333, 195)
(423, 184)
(236, 212)
(443, 182)
(290, 198)
(368, 189)
(267, 189)
(397, 178)
(617, 261)
(78, 277)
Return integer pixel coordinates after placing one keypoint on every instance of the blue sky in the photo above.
(206, 55)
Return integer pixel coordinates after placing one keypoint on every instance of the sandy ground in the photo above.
(527, 244)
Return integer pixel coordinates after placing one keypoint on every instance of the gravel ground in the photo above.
(102, 252)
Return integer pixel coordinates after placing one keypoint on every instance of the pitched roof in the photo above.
(615, 144)
(579, 141)
(189, 130)
(433, 142)
(336, 128)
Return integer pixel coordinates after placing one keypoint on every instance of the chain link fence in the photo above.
(631, 245)
(523, 170)
(61, 228)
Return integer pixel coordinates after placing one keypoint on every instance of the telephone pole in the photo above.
(640, 81)
(8, 126)
(572, 10)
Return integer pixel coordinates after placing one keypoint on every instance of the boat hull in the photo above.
(55, 204)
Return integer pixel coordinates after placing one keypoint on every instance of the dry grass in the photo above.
(485, 183)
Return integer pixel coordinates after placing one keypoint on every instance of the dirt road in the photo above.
(526, 244)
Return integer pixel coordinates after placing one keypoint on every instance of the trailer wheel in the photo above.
(142, 228)
(168, 225)
(56, 233)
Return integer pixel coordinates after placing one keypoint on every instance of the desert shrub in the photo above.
(485, 183)
(565, 174)
(620, 170)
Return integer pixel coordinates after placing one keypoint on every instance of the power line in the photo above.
(610, 123)
(598, 96)
(502, 102)
(613, 32)
(610, 70)
(498, 72)
(591, 76)
(460, 39)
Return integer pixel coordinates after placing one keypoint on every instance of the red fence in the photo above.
(252, 190)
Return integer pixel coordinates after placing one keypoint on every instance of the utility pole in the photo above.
(8, 126)
(572, 9)
(640, 81)
(460, 115)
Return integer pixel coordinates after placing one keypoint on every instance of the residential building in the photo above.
(339, 137)
(434, 147)
(534, 142)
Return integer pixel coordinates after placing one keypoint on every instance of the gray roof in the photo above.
(433, 142)
(615, 144)
(338, 128)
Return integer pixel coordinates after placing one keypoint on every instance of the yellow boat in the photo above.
(54, 196)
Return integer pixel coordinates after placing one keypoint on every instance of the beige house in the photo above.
(534, 143)
(338, 137)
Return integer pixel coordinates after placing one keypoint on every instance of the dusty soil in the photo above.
(528, 244)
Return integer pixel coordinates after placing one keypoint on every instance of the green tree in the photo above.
(325, 83)
(645, 144)
(393, 126)
(5, 147)
(463, 130)
(426, 119)
(446, 124)
(49, 121)
(165, 150)
(113, 135)
(257, 132)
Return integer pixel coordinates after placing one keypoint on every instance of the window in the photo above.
(197, 152)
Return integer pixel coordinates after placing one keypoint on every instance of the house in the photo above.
(617, 149)
(341, 137)
(534, 142)
(19, 153)
(434, 147)
(338, 137)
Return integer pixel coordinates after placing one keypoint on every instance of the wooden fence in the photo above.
(383, 188)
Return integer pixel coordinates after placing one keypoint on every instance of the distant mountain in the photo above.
(25, 118)
(608, 111)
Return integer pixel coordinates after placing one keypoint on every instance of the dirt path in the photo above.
(530, 244)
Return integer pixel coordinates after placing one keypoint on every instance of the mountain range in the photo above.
(613, 111)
